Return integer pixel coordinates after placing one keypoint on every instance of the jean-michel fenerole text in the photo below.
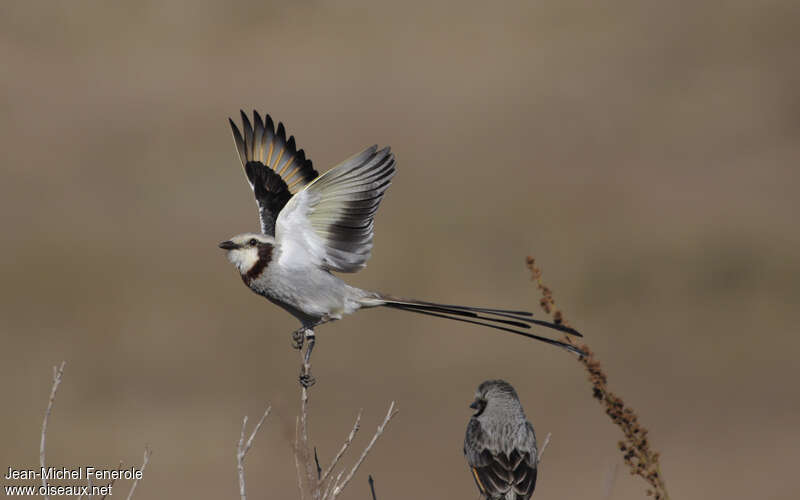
(88, 472)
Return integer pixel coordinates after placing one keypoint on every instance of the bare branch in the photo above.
(544, 447)
(145, 461)
(338, 489)
(110, 485)
(242, 448)
(303, 448)
(58, 371)
(344, 447)
(297, 457)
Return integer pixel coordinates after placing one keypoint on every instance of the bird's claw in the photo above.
(298, 338)
(306, 379)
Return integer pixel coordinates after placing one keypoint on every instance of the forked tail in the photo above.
(493, 318)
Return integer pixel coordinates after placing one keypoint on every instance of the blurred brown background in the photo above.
(646, 153)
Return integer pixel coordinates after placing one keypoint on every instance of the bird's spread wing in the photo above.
(496, 473)
(275, 168)
(330, 222)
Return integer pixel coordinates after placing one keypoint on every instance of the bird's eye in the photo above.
(253, 242)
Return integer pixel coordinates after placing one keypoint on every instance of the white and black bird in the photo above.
(313, 225)
(500, 444)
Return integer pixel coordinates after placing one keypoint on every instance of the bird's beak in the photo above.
(228, 245)
(474, 405)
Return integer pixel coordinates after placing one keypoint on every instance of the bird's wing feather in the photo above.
(495, 473)
(330, 222)
(275, 168)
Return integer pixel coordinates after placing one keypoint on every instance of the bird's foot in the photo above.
(298, 338)
(306, 379)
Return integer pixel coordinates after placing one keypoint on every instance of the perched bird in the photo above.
(314, 224)
(500, 444)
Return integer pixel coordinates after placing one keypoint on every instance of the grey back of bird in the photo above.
(500, 444)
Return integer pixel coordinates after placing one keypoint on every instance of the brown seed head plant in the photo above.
(635, 447)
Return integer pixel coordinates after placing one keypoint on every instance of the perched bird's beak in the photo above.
(474, 405)
(228, 245)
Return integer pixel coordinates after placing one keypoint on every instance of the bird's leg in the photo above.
(299, 335)
(306, 379)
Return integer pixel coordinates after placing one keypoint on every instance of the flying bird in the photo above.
(313, 225)
(500, 444)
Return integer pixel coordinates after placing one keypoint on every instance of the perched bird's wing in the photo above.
(329, 223)
(495, 473)
(478, 457)
(526, 472)
(275, 168)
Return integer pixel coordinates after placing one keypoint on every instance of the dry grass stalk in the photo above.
(635, 447)
(544, 447)
(58, 373)
(145, 461)
(242, 448)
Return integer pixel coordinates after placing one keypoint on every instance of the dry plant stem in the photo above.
(243, 447)
(303, 449)
(145, 461)
(389, 415)
(110, 485)
(297, 457)
(311, 480)
(58, 371)
(544, 447)
(637, 454)
(344, 447)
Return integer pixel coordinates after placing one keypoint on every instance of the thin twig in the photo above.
(110, 485)
(58, 371)
(242, 448)
(305, 448)
(344, 447)
(145, 461)
(240, 461)
(372, 487)
(544, 447)
(391, 413)
(89, 488)
(297, 457)
(333, 485)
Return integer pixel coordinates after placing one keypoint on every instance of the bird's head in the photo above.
(248, 251)
(494, 395)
